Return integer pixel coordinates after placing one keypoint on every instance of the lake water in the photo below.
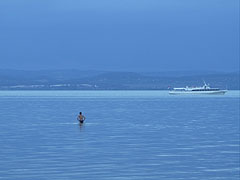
(128, 135)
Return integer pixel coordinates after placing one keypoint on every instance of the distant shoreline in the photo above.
(99, 80)
(94, 90)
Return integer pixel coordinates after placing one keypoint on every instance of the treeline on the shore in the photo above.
(105, 80)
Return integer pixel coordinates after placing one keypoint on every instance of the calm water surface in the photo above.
(128, 135)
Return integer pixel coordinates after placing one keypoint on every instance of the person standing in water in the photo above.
(81, 117)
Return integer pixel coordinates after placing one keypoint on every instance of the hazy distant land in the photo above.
(106, 80)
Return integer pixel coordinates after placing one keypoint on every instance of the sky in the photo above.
(120, 35)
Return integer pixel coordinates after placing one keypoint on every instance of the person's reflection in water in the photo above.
(81, 126)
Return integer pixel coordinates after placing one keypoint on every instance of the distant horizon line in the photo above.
(129, 71)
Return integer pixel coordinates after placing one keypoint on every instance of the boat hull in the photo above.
(220, 92)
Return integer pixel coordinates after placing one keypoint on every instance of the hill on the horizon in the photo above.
(105, 80)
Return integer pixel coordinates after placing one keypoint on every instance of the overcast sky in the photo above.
(121, 35)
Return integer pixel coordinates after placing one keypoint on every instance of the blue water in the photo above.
(128, 135)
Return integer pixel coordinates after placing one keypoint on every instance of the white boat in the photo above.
(206, 89)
